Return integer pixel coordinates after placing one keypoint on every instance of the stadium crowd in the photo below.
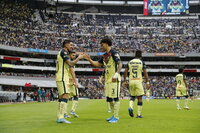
(20, 28)
(128, 32)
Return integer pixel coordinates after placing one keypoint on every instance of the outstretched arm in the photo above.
(93, 63)
(72, 63)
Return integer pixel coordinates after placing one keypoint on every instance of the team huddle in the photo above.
(110, 60)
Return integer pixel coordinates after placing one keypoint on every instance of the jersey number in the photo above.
(134, 71)
(113, 91)
(179, 82)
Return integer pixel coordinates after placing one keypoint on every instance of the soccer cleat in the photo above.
(130, 110)
(178, 108)
(139, 116)
(66, 116)
(110, 118)
(74, 114)
(109, 111)
(187, 108)
(62, 120)
(113, 120)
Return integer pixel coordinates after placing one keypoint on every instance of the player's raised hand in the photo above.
(81, 56)
(87, 57)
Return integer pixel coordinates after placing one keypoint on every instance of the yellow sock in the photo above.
(62, 109)
(58, 111)
(74, 105)
(186, 102)
(178, 103)
(139, 110)
(116, 109)
(111, 106)
(108, 106)
(131, 103)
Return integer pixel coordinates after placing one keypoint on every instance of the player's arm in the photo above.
(74, 76)
(117, 60)
(125, 76)
(66, 58)
(72, 63)
(102, 77)
(93, 63)
(146, 76)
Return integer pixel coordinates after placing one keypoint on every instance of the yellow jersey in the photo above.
(136, 67)
(62, 68)
(110, 61)
(180, 80)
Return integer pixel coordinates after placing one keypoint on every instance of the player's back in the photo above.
(135, 69)
(180, 80)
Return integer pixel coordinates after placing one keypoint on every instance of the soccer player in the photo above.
(191, 94)
(135, 68)
(181, 89)
(147, 95)
(73, 87)
(62, 77)
(112, 63)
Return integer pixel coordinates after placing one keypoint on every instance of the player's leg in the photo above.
(178, 95)
(147, 95)
(63, 91)
(115, 92)
(132, 98)
(111, 104)
(139, 108)
(108, 107)
(74, 106)
(186, 103)
(139, 94)
(131, 104)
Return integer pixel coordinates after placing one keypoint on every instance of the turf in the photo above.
(160, 116)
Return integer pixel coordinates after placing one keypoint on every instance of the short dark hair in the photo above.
(138, 53)
(66, 42)
(106, 40)
(180, 70)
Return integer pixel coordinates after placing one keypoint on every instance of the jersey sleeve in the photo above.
(116, 57)
(64, 55)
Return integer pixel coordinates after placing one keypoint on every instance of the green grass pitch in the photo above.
(160, 116)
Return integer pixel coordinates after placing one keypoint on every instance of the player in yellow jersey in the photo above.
(147, 95)
(181, 89)
(112, 63)
(62, 77)
(135, 68)
(73, 87)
